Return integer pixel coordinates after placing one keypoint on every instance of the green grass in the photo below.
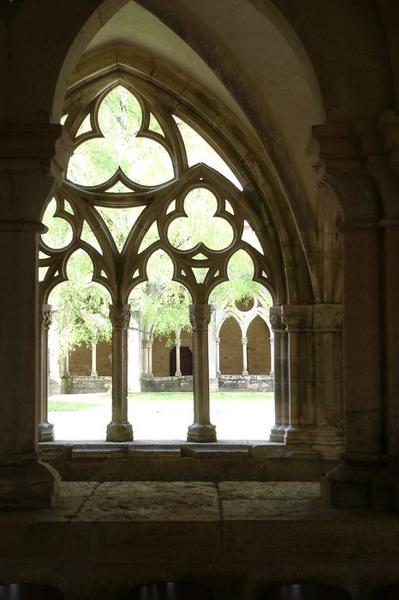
(69, 402)
(59, 405)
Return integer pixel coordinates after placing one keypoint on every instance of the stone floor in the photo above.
(100, 538)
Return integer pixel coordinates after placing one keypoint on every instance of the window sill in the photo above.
(181, 461)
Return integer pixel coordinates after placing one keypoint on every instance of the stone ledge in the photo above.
(181, 461)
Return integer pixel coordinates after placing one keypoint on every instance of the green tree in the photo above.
(81, 307)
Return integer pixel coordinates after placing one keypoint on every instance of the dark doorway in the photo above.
(186, 361)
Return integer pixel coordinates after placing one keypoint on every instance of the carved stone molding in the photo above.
(200, 316)
(119, 315)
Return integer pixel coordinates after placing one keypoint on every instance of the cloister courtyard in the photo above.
(163, 415)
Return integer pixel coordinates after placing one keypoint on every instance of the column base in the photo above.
(201, 433)
(119, 432)
(329, 442)
(299, 441)
(46, 432)
(28, 484)
(352, 485)
(277, 434)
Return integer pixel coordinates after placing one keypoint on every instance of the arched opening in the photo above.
(76, 377)
(117, 187)
(185, 361)
(259, 354)
(230, 348)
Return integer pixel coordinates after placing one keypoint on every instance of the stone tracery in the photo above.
(198, 265)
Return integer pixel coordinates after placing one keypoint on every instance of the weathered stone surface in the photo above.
(259, 501)
(152, 501)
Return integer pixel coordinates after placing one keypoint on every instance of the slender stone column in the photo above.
(93, 358)
(119, 430)
(277, 433)
(218, 356)
(271, 342)
(201, 430)
(149, 353)
(145, 358)
(244, 344)
(298, 320)
(46, 429)
(178, 346)
(66, 370)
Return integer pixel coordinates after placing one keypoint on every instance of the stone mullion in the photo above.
(218, 356)
(277, 432)
(178, 365)
(119, 430)
(271, 343)
(244, 346)
(46, 429)
(201, 430)
(149, 352)
(145, 357)
(93, 358)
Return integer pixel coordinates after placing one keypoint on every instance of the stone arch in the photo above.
(259, 355)
(84, 25)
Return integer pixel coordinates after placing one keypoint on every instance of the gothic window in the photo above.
(149, 200)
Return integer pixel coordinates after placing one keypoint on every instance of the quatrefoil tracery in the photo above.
(202, 226)
(120, 147)
(200, 258)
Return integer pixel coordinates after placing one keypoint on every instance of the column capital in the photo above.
(119, 315)
(276, 320)
(47, 316)
(200, 316)
(298, 317)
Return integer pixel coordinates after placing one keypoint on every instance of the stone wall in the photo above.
(81, 384)
(230, 347)
(80, 360)
(161, 353)
(233, 383)
(167, 384)
(243, 383)
(258, 335)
